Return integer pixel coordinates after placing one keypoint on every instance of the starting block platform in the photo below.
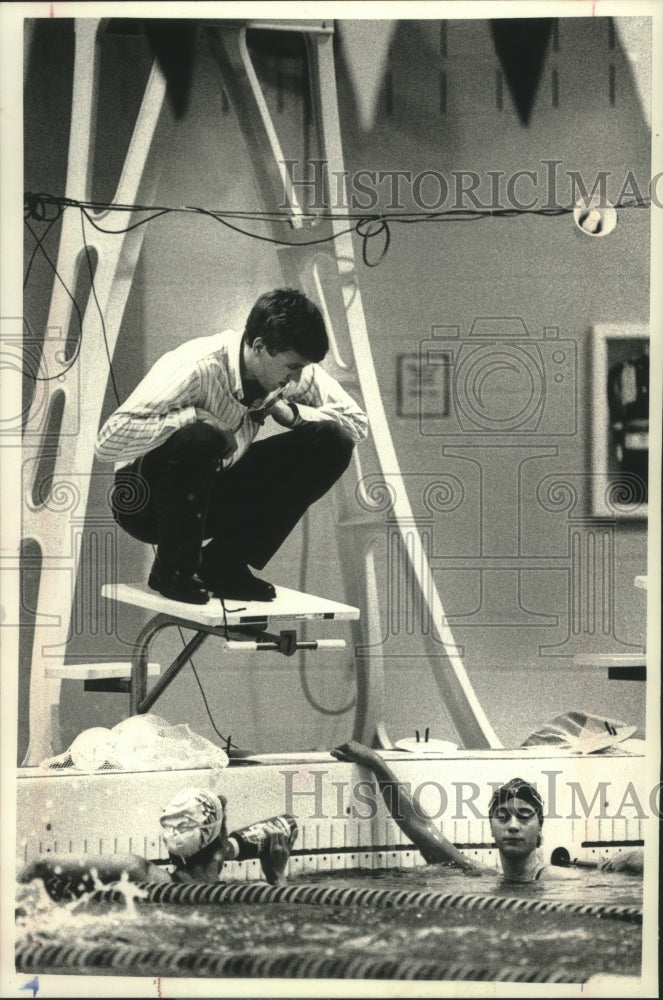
(288, 605)
(242, 625)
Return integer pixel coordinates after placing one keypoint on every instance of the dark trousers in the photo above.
(177, 495)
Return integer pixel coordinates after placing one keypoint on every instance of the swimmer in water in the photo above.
(516, 819)
(193, 827)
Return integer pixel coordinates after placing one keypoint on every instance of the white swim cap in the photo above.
(198, 813)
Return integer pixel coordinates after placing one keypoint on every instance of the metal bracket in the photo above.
(285, 643)
(288, 641)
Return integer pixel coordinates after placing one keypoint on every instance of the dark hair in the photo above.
(287, 321)
(517, 789)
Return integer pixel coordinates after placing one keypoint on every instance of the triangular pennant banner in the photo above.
(521, 45)
(366, 47)
(172, 42)
(635, 37)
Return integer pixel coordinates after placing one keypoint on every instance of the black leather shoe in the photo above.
(236, 582)
(189, 589)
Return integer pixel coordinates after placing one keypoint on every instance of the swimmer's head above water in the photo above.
(516, 817)
(192, 819)
(517, 788)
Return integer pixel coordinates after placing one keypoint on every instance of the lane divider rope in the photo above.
(77, 959)
(311, 895)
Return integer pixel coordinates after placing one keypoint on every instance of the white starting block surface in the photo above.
(288, 605)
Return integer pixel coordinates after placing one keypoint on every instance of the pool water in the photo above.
(496, 945)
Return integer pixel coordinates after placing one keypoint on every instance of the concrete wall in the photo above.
(196, 276)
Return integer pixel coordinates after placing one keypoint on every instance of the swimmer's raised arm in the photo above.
(419, 828)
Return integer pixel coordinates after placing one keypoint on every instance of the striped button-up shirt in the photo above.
(205, 374)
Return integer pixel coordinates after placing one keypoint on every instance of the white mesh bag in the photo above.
(140, 743)
(147, 742)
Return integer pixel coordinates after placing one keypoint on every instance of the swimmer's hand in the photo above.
(355, 753)
(224, 803)
(274, 862)
(472, 870)
(630, 862)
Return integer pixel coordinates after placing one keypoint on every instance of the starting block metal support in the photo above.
(250, 638)
(241, 629)
(140, 699)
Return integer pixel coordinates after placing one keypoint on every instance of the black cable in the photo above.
(50, 378)
(36, 209)
(272, 239)
(127, 229)
(34, 206)
(224, 739)
(368, 230)
(227, 740)
(221, 218)
(38, 246)
(366, 226)
(306, 533)
(99, 310)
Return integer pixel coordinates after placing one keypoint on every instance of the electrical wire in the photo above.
(224, 739)
(366, 226)
(218, 217)
(74, 359)
(39, 241)
(227, 740)
(127, 229)
(99, 310)
(303, 680)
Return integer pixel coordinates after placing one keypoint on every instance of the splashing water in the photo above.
(572, 946)
(37, 918)
(129, 891)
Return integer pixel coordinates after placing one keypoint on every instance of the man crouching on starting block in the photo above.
(188, 470)
(193, 827)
